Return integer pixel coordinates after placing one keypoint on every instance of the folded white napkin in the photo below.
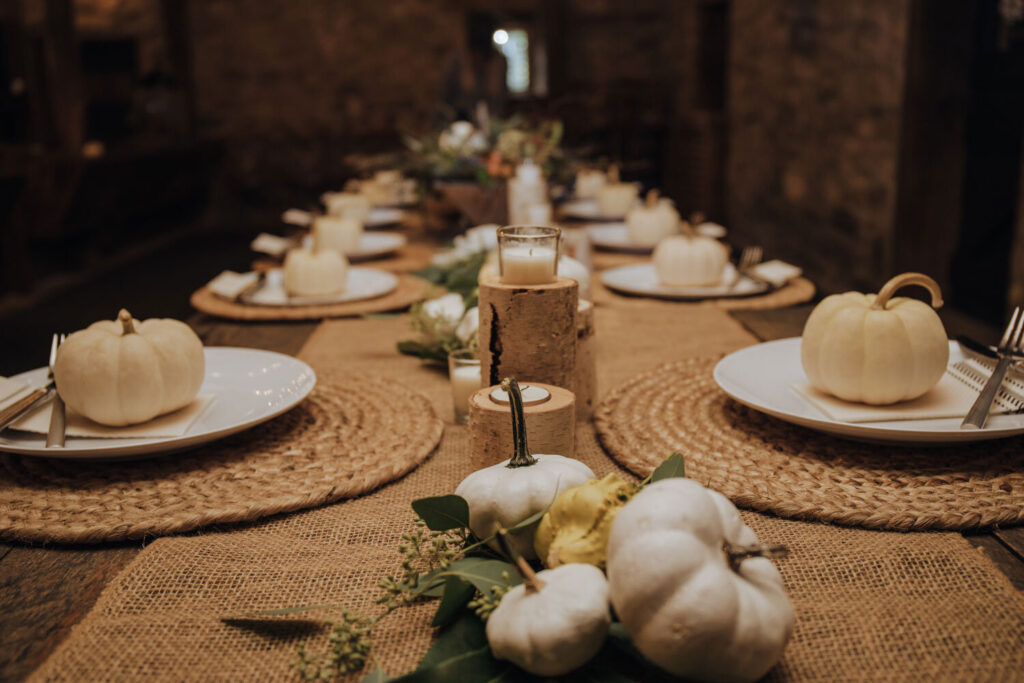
(232, 285)
(776, 272)
(953, 396)
(297, 217)
(173, 424)
(10, 391)
(275, 246)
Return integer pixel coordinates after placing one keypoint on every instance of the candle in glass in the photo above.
(464, 373)
(528, 254)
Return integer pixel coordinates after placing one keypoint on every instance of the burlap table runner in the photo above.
(870, 605)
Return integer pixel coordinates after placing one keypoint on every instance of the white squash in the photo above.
(554, 622)
(690, 260)
(876, 349)
(615, 199)
(348, 205)
(654, 221)
(125, 372)
(688, 585)
(503, 495)
(341, 234)
(315, 271)
(589, 182)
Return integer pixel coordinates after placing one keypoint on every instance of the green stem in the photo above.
(521, 454)
(533, 584)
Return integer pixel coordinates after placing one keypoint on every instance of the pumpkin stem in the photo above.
(688, 229)
(125, 319)
(652, 199)
(521, 450)
(533, 584)
(696, 218)
(613, 173)
(905, 280)
(735, 554)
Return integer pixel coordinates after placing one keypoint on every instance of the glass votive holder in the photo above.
(464, 373)
(528, 254)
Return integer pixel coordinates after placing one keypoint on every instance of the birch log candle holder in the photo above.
(550, 422)
(585, 376)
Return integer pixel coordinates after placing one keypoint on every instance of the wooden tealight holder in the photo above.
(585, 384)
(529, 332)
(550, 425)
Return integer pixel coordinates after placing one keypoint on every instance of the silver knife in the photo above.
(58, 424)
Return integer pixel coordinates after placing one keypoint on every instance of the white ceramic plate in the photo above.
(615, 237)
(249, 387)
(586, 209)
(363, 283)
(762, 376)
(641, 279)
(383, 216)
(376, 244)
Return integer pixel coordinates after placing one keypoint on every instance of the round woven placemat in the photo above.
(767, 464)
(352, 434)
(410, 290)
(797, 291)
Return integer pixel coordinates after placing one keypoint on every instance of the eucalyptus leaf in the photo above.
(529, 521)
(465, 634)
(673, 466)
(427, 352)
(376, 676)
(456, 594)
(474, 665)
(442, 513)
(484, 573)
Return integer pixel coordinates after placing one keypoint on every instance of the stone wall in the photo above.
(815, 94)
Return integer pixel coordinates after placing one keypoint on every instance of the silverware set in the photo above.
(1009, 351)
(36, 397)
(749, 257)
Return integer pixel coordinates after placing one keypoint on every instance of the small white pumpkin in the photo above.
(690, 260)
(342, 234)
(554, 622)
(876, 349)
(647, 225)
(589, 182)
(347, 205)
(688, 585)
(125, 372)
(503, 495)
(315, 271)
(614, 198)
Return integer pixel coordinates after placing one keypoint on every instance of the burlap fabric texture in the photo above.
(767, 464)
(352, 434)
(870, 605)
(410, 290)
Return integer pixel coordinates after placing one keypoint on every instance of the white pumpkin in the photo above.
(315, 272)
(503, 495)
(125, 372)
(876, 349)
(342, 234)
(690, 260)
(647, 225)
(555, 625)
(688, 607)
(348, 205)
(615, 198)
(589, 182)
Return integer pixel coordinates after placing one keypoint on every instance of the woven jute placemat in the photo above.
(870, 605)
(410, 290)
(797, 291)
(352, 434)
(764, 463)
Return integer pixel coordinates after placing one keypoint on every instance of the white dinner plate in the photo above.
(586, 209)
(762, 377)
(615, 237)
(383, 216)
(641, 279)
(249, 386)
(362, 284)
(376, 244)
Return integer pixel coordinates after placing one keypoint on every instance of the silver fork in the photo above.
(1009, 347)
(58, 424)
(749, 257)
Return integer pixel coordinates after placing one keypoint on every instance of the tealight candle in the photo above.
(464, 373)
(528, 255)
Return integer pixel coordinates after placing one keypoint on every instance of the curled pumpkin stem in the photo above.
(906, 280)
(533, 583)
(521, 454)
(652, 199)
(613, 173)
(735, 554)
(125, 318)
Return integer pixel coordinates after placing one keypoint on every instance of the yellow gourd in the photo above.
(876, 349)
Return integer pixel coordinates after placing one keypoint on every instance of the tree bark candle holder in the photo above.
(529, 332)
(585, 382)
(550, 424)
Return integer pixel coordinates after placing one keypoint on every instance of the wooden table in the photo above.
(46, 591)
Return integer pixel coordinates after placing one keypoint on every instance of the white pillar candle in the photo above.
(527, 265)
(465, 382)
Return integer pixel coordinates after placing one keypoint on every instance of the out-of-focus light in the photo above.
(500, 36)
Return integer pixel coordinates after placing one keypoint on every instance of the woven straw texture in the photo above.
(410, 290)
(797, 291)
(870, 605)
(767, 464)
(352, 434)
